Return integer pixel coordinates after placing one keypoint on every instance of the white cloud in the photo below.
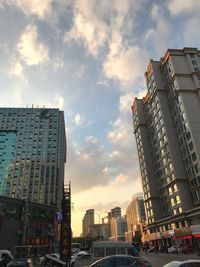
(57, 102)
(57, 63)
(124, 63)
(159, 35)
(120, 179)
(18, 71)
(78, 119)
(177, 7)
(92, 35)
(125, 102)
(30, 49)
(118, 134)
(30, 7)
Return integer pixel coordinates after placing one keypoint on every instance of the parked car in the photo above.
(175, 249)
(119, 261)
(53, 261)
(187, 263)
(80, 256)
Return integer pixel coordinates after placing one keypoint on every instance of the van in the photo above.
(107, 248)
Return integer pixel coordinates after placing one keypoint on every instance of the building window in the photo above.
(194, 157)
(172, 202)
(194, 62)
(180, 210)
(178, 200)
(196, 69)
(170, 191)
(175, 188)
(174, 212)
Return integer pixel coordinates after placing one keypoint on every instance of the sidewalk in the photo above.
(184, 256)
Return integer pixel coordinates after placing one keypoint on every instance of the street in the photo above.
(157, 260)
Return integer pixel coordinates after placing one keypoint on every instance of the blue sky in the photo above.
(88, 57)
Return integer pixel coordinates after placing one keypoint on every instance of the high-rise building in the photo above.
(87, 222)
(167, 128)
(32, 154)
(118, 228)
(135, 215)
(115, 212)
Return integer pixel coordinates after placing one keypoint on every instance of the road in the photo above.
(157, 260)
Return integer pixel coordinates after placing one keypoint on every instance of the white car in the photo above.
(174, 249)
(187, 263)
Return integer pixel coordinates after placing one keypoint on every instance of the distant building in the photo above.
(167, 129)
(88, 223)
(118, 228)
(116, 212)
(135, 215)
(32, 154)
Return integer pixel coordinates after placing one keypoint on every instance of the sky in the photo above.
(88, 58)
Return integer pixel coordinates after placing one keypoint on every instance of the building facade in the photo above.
(135, 215)
(32, 154)
(23, 222)
(118, 228)
(88, 223)
(167, 126)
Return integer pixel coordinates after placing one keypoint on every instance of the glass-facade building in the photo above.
(32, 154)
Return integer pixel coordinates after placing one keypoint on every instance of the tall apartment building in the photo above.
(135, 215)
(167, 128)
(116, 212)
(88, 222)
(32, 154)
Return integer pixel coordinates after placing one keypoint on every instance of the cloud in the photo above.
(124, 63)
(95, 21)
(120, 179)
(178, 7)
(92, 35)
(57, 102)
(31, 51)
(157, 37)
(30, 7)
(85, 164)
(78, 119)
(125, 102)
(18, 71)
(87, 199)
(120, 131)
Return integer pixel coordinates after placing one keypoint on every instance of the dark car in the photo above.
(21, 263)
(119, 261)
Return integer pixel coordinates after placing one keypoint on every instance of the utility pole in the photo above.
(65, 234)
